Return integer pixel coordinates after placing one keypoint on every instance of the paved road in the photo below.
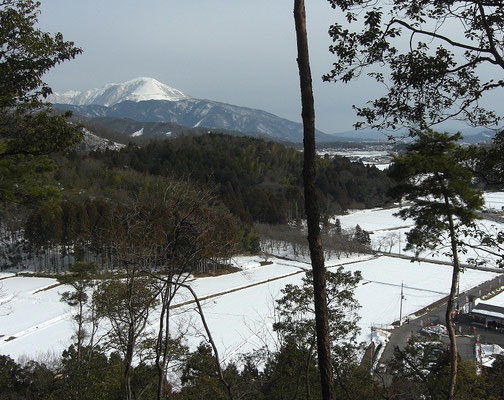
(436, 315)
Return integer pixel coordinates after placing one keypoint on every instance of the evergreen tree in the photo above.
(296, 327)
(28, 131)
(438, 185)
(337, 226)
(362, 236)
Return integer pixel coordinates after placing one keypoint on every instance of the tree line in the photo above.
(59, 233)
(255, 181)
(259, 181)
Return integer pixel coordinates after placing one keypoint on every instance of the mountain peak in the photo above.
(138, 89)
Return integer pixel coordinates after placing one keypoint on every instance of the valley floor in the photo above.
(239, 307)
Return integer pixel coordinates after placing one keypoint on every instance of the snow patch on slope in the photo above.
(138, 133)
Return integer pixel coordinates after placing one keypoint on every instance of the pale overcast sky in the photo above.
(236, 51)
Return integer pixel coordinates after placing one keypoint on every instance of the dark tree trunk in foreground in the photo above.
(450, 309)
(311, 206)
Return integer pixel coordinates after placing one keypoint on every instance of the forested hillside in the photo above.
(228, 181)
(258, 180)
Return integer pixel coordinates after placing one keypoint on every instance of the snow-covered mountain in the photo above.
(147, 100)
(136, 90)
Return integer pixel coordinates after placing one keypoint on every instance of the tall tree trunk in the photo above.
(128, 361)
(311, 206)
(450, 310)
(160, 351)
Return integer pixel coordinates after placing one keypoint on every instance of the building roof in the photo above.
(489, 310)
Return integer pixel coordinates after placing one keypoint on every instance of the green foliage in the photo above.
(25, 178)
(421, 370)
(199, 376)
(443, 207)
(27, 55)
(200, 380)
(296, 314)
(257, 180)
(28, 131)
(494, 375)
(292, 371)
(30, 382)
(93, 375)
(12, 377)
(433, 79)
(437, 184)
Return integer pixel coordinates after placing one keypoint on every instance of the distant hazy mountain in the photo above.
(476, 135)
(147, 100)
(470, 135)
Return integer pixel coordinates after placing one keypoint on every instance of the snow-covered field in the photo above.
(241, 312)
(494, 200)
(239, 307)
(388, 231)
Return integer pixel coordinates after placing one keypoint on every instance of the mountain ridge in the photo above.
(148, 100)
(136, 90)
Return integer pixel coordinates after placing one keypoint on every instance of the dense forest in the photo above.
(241, 180)
(259, 181)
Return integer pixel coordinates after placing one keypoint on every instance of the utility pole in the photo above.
(400, 308)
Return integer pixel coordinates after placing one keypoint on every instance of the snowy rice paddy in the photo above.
(240, 311)
(239, 307)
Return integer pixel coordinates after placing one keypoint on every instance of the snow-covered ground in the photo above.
(388, 231)
(241, 311)
(488, 353)
(239, 307)
(377, 155)
(494, 200)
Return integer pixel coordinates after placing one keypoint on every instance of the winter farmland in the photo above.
(239, 307)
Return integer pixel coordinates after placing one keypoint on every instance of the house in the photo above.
(488, 315)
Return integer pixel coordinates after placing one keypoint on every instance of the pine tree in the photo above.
(443, 203)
